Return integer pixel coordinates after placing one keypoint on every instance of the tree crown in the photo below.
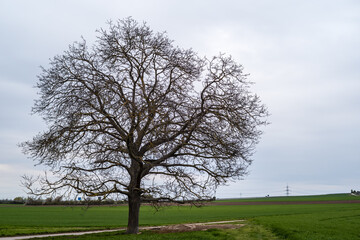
(134, 108)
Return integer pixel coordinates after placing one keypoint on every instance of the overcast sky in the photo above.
(303, 56)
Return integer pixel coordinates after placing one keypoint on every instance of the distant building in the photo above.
(354, 192)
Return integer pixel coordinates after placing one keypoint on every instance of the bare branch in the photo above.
(127, 109)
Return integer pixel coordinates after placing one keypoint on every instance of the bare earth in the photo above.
(198, 226)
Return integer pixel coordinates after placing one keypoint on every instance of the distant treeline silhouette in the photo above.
(82, 201)
(59, 201)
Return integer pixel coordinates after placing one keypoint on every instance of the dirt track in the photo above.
(186, 227)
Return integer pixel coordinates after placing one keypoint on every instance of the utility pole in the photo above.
(287, 190)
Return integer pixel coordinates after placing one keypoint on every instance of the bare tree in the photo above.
(137, 116)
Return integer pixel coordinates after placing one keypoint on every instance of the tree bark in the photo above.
(134, 209)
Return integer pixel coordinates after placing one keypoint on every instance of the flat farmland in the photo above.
(324, 198)
(327, 220)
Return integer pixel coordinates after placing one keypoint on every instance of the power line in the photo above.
(287, 190)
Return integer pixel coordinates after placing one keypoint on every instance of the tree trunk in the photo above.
(134, 208)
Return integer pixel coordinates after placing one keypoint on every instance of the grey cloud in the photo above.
(302, 56)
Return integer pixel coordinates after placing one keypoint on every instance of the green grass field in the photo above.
(298, 222)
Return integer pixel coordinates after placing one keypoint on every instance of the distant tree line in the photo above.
(82, 201)
(17, 200)
(60, 201)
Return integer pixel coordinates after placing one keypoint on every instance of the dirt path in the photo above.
(160, 229)
(186, 227)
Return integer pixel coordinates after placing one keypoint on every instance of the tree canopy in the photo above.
(135, 115)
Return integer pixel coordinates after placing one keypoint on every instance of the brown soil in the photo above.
(197, 226)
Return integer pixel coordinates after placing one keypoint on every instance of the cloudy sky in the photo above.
(304, 57)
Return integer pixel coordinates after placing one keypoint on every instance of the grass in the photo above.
(297, 222)
(330, 225)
